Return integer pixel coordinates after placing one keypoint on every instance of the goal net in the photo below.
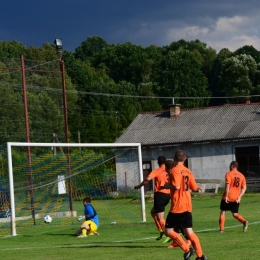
(53, 178)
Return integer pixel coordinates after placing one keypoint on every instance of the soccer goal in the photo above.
(53, 179)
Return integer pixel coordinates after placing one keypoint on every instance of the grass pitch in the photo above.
(137, 241)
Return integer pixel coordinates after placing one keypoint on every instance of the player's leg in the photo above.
(160, 217)
(194, 241)
(239, 218)
(156, 221)
(234, 210)
(188, 251)
(187, 228)
(92, 229)
(166, 200)
(84, 228)
(174, 244)
(160, 201)
(179, 230)
(222, 216)
(177, 238)
(158, 209)
(172, 221)
(222, 221)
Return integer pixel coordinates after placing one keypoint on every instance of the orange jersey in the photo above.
(181, 199)
(160, 177)
(236, 181)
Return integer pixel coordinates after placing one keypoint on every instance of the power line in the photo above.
(156, 97)
(39, 88)
(26, 69)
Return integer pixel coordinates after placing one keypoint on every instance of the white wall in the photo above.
(127, 175)
(207, 161)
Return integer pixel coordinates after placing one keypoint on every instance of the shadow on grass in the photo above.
(110, 245)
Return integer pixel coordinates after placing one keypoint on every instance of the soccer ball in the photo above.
(80, 218)
(47, 219)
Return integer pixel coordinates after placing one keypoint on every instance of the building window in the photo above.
(146, 166)
(248, 160)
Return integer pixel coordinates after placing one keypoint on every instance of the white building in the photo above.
(212, 137)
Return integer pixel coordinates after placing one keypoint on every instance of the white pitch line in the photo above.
(212, 229)
(117, 241)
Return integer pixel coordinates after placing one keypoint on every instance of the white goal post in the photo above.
(11, 145)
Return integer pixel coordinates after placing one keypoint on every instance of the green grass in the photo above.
(137, 241)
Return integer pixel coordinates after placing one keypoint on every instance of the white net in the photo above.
(54, 180)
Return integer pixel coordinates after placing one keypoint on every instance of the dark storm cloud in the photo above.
(220, 24)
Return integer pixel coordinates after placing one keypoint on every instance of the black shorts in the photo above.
(179, 220)
(231, 206)
(160, 201)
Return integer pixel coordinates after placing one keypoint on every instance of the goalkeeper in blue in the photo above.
(91, 223)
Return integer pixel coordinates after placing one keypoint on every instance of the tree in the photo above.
(248, 50)
(151, 69)
(78, 71)
(237, 75)
(148, 104)
(123, 62)
(12, 127)
(12, 49)
(127, 107)
(182, 77)
(45, 117)
(256, 85)
(46, 52)
(203, 54)
(90, 49)
(214, 76)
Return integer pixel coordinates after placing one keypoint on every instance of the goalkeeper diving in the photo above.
(91, 223)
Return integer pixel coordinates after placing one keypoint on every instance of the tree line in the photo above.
(109, 84)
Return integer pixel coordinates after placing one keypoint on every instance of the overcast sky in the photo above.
(219, 23)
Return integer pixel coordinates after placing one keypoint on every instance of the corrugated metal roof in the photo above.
(195, 125)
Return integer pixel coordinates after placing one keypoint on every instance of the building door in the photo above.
(147, 168)
(186, 163)
(248, 160)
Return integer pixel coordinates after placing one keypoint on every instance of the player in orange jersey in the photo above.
(161, 197)
(168, 167)
(181, 181)
(234, 190)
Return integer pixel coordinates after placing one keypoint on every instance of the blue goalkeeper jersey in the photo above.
(89, 210)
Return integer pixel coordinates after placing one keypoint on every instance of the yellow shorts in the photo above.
(92, 225)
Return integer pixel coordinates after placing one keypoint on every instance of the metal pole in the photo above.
(27, 138)
(79, 140)
(11, 184)
(125, 185)
(141, 179)
(65, 109)
(54, 141)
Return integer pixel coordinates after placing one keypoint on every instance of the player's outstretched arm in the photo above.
(144, 182)
(168, 186)
(199, 188)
